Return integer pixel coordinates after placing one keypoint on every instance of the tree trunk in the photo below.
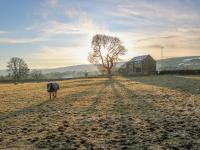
(109, 71)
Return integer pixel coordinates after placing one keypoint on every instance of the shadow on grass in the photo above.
(189, 85)
(81, 84)
(139, 104)
(98, 97)
(37, 108)
(125, 127)
(165, 125)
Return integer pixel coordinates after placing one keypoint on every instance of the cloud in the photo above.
(173, 26)
(71, 54)
(152, 47)
(176, 36)
(71, 12)
(154, 38)
(58, 56)
(53, 3)
(151, 11)
(47, 31)
(22, 41)
(83, 25)
(154, 16)
(180, 42)
(152, 25)
(4, 32)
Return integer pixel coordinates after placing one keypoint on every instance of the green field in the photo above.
(151, 112)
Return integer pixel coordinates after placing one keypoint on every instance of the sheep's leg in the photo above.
(49, 95)
(54, 96)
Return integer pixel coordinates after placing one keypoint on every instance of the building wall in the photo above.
(148, 66)
(129, 68)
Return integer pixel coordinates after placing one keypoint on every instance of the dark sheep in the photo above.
(52, 89)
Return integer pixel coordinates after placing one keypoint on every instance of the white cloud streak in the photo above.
(84, 25)
(4, 32)
(53, 3)
(12, 41)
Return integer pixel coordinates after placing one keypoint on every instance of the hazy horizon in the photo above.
(58, 33)
(122, 61)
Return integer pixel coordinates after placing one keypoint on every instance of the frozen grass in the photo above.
(152, 112)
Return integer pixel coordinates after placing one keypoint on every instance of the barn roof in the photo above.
(136, 59)
(139, 58)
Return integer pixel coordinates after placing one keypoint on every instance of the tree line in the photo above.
(18, 69)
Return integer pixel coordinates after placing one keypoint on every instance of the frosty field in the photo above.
(152, 112)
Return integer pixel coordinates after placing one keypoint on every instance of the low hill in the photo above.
(3, 72)
(76, 68)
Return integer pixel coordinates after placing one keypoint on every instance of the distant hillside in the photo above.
(3, 72)
(76, 68)
(179, 63)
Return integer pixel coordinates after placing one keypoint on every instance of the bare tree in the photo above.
(106, 51)
(17, 68)
(36, 74)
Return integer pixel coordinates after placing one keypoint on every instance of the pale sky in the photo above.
(58, 33)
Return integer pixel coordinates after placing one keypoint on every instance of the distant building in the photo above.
(179, 65)
(140, 65)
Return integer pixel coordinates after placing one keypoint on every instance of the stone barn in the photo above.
(140, 65)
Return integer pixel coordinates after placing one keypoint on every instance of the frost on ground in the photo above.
(152, 112)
